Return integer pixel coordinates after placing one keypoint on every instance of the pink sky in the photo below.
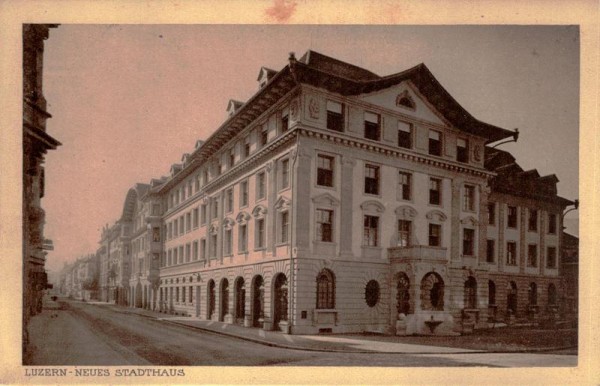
(127, 101)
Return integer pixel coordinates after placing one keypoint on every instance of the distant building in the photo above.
(337, 200)
(36, 142)
(570, 273)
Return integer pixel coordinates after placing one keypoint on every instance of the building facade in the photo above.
(337, 200)
(36, 143)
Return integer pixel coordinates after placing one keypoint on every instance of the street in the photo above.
(78, 334)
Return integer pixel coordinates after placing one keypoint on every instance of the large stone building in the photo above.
(79, 280)
(337, 200)
(36, 143)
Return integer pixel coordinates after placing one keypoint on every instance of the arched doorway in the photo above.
(224, 294)
(532, 294)
(240, 300)
(552, 295)
(432, 292)
(280, 300)
(211, 299)
(258, 301)
(511, 297)
(403, 294)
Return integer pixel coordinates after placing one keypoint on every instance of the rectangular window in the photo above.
(188, 222)
(372, 129)
(285, 120)
(532, 255)
(469, 198)
(511, 253)
(230, 158)
(260, 186)
(404, 185)
(243, 244)
(371, 231)
(404, 230)
(181, 256)
(490, 251)
(229, 200)
(175, 227)
(191, 292)
(170, 230)
(181, 225)
(156, 210)
(190, 191)
(551, 257)
(203, 249)
(175, 260)
(324, 219)
(284, 219)
(551, 223)
(285, 173)
(215, 208)
(435, 143)
(203, 214)
(177, 294)
(188, 252)
(435, 187)
(169, 262)
(195, 255)
(195, 217)
(468, 241)
(243, 193)
(213, 246)
(512, 217)
(404, 135)
(260, 233)
(227, 242)
(371, 179)
(491, 213)
(533, 220)
(335, 116)
(462, 150)
(197, 183)
(324, 170)
(182, 294)
(435, 231)
(246, 149)
(263, 136)
(205, 177)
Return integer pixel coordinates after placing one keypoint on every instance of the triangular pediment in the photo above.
(406, 99)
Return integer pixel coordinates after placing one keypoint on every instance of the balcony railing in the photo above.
(417, 252)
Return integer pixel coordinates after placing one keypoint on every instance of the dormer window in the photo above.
(264, 76)
(232, 107)
(462, 150)
(335, 116)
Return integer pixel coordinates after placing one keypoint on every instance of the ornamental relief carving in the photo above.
(313, 108)
(294, 109)
(470, 220)
(436, 215)
(406, 212)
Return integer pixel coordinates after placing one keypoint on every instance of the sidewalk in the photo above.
(325, 343)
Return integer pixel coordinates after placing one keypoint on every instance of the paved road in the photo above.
(82, 334)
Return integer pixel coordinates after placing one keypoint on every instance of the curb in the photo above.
(301, 348)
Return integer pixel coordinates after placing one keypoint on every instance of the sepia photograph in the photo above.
(300, 195)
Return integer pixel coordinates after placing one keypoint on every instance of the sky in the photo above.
(128, 100)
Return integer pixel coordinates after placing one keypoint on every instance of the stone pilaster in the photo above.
(484, 192)
(271, 199)
(501, 227)
(455, 219)
(346, 205)
(301, 207)
(522, 239)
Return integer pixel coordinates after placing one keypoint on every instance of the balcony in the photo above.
(417, 253)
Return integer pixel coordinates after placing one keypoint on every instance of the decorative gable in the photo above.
(372, 206)
(470, 221)
(405, 98)
(325, 199)
(436, 215)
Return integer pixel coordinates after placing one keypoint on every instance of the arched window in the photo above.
(325, 290)
(471, 293)
(532, 294)
(432, 292)
(372, 293)
(511, 297)
(551, 294)
(403, 294)
(491, 293)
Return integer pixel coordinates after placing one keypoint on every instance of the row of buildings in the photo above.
(337, 200)
(79, 279)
